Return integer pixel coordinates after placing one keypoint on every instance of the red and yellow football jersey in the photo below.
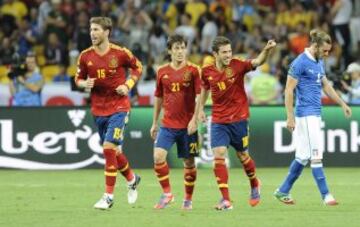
(178, 88)
(230, 103)
(110, 71)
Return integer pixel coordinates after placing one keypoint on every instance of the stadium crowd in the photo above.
(58, 30)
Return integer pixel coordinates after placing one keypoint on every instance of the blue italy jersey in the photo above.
(308, 73)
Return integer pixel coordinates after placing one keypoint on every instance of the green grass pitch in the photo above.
(65, 198)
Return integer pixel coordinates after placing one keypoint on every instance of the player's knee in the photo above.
(316, 163)
(220, 152)
(303, 162)
(159, 155)
(189, 162)
(242, 155)
(109, 145)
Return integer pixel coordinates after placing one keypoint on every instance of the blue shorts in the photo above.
(187, 145)
(234, 134)
(111, 128)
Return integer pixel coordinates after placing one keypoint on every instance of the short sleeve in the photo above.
(295, 69)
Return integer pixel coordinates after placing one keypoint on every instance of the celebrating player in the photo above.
(307, 76)
(101, 70)
(178, 85)
(230, 113)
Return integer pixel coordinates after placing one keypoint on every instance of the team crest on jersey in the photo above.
(229, 72)
(89, 63)
(187, 76)
(165, 76)
(113, 63)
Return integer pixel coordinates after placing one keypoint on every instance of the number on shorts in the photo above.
(193, 148)
(117, 133)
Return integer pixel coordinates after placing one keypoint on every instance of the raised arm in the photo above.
(264, 54)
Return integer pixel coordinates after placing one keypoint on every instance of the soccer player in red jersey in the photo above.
(230, 112)
(101, 70)
(177, 87)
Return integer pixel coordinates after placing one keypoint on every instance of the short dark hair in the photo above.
(175, 39)
(104, 22)
(218, 42)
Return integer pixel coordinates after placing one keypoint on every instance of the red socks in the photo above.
(124, 167)
(110, 170)
(162, 173)
(221, 173)
(249, 168)
(189, 181)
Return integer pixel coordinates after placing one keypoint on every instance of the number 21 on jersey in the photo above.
(175, 87)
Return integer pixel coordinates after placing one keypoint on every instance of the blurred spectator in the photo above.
(354, 28)
(28, 37)
(26, 89)
(298, 15)
(7, 26)
(15, 8)
(354, 89)
(7, 51)
(265, 88)
(45, 8)
(299, 40)
(56, 22)
(81, 36)
(62, 76)
(341, 13)
(195, 8)
(55, 52)
(157, 44)
(150, 71)
(171, 14)
(137, 24)
(187, 30)
(208, 33)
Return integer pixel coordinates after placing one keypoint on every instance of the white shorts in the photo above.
(307, 138)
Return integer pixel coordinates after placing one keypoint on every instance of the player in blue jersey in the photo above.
(307, 77)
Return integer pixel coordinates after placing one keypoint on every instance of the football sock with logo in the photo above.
(249, 168)
(319, 176)
(110, 170)
(189, 181)
(124, 167)
(294, 172)
(162, 172)
(221, 174)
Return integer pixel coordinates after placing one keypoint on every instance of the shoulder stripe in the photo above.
(161, 67)
(126, 50)
(86, 50)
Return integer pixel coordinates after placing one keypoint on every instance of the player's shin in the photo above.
(189, 181)
(110, 170)
(319, 176)
(249, 168)
(124, 167)
(162, 172)
(295, 171)
(221, 174)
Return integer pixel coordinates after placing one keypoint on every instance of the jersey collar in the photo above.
(308, 54)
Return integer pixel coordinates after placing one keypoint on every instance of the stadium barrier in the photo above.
(66, 138)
